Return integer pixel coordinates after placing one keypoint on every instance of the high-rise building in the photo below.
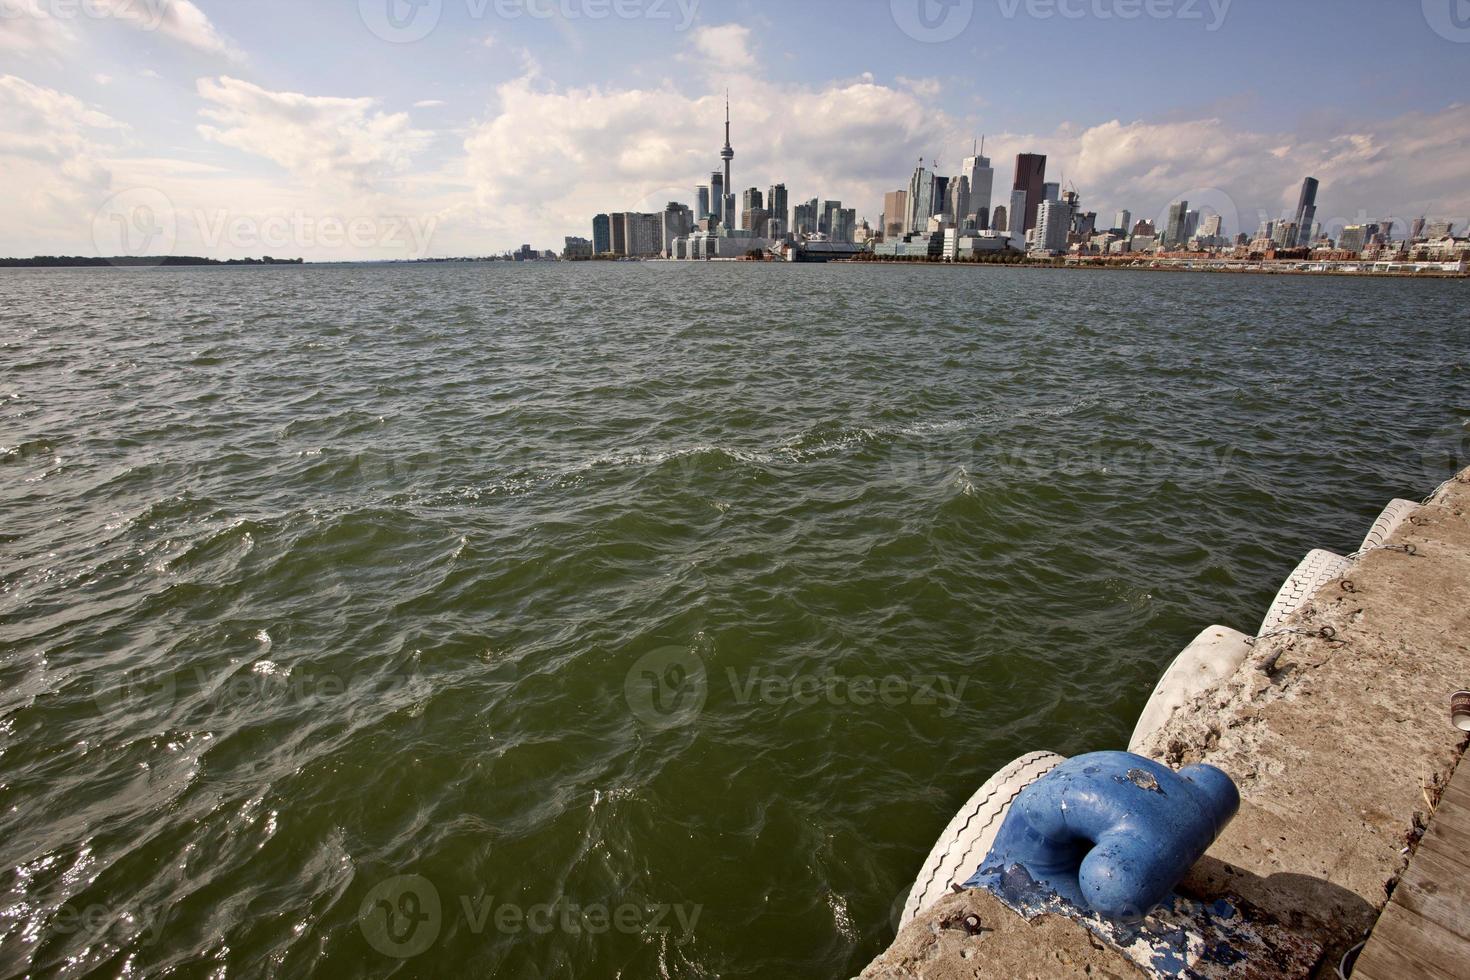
(677, 222)
(1306, 211)
(618, 239)
(998, 219)
(1174, 230)
(1053, 223)
(1211, 226)
(895, 213)
(1030, 176)
(940, 200)
(1051, 191)
(981, 180)
(776, 204)
(1416, 230)
(824, 216)
(601, 234)
(959, 200)
(1017, 227)
(643, 233)
(717, 197)
(1123, 220)
(701, 202)
(842, 222)
(804, 219)
(920, 200)
(1191, 225)
(1354, 238)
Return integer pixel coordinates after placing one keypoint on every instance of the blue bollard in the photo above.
(1112, 832)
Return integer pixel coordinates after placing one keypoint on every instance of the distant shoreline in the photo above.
(1119, 267)
(132, 261)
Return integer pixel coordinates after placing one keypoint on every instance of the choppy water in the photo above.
(687, 600)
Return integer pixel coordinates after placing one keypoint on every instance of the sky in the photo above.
(390, 129)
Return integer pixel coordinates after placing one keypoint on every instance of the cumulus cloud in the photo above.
(724, 46)
(180, 20)
(337, 142)
(550, 158)
(28, 29)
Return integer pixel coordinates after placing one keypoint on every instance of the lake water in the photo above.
(624, 620)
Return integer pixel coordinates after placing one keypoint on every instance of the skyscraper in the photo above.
(959, 200)
(939, 203)
(804, 220)
(777, 205)
(601, 234)
(982, 179)
(717, 197)
(999, 218)
(1030, 176)
(701, 198)
(618, 239)
(1017, 212)
(825, 217)
(895, 213)
(1175, 228)
(920, 203)
(1306, 211)
(1053, 222)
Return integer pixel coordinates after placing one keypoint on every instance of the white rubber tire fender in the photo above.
(966, 840)
(1214, 655)
(1315, 571)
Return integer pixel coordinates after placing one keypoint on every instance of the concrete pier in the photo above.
(1337, 734)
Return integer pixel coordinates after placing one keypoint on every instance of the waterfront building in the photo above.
(1439, 229)
(1306, 211)
(601, 234)
(920, 200)
(1143, 227)
(577, 248)
(1030, 176)
(895, 213)
(1353, 238)
(914, 245)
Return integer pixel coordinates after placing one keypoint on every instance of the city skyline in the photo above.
(491, 130)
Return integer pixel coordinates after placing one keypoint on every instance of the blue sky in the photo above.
(478, 124)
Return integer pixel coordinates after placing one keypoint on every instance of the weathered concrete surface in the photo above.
(939, 945)
(1339, 747)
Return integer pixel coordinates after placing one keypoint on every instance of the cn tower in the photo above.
(728, 154)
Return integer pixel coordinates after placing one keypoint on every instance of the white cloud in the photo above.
(28, 29)
(102, 79)
(428, 103)
(725, 47)
(337, 142)
(180, 20)
(489, 41)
